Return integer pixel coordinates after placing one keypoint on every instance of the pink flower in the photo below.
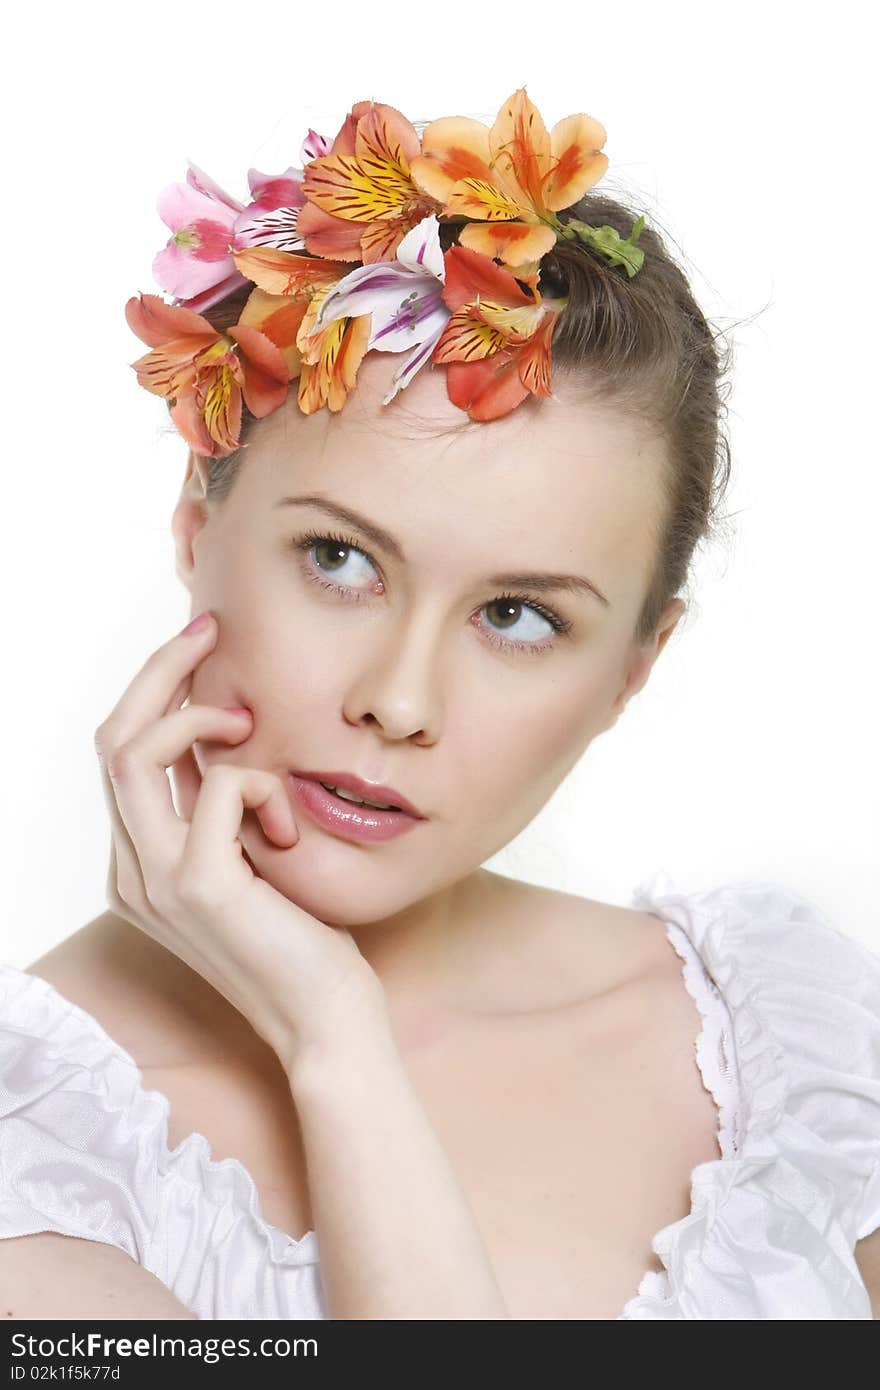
(271, 218)
(196, 265)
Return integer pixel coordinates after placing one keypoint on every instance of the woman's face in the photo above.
(415, 672)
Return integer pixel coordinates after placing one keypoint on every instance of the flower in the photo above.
(325, 360)
(497, 342)
(512, 179)
(330, 357)
(404, 298)
(376, 195)
(361, 197)
(196, 264)
(279, 317)
(270, 219)
(206, 373)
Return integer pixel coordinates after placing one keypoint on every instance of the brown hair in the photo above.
(639, 343)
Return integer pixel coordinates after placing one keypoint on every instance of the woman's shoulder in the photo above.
(159, 1011)
(804, 1000)
(575, 945)
(75, 1120)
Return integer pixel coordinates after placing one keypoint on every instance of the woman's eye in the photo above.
(533, 627)
(509, 613)
(334, 557)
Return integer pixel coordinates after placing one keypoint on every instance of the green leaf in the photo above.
(609, 243)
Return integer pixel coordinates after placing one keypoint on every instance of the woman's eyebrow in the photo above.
(378, 536)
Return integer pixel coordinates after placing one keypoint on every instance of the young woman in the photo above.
(316, 1061)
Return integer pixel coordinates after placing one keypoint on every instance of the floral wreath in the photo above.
(375, 196)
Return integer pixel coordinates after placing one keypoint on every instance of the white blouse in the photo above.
(789, 1048)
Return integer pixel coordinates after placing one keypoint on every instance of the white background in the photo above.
(748, 132)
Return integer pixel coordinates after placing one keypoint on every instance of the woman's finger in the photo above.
(149, 694)
(186, 781)
(163, 681)
(138, 773)
(227, 790)
(123, 859)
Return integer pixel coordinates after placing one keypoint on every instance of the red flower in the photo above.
(206, 373)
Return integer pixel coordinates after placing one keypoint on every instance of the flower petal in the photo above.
(412, 363)
(191, 425)
(385, 140)
(171, 369)
(220, 405)
(282, 272)
(262, 393)
(341, 185)
(520, 146)
(257, 349)
(314, 146)
(279, 317)
(420, 249)
(577, 162)
(276, 190)
(325, 235)
(214, 296)
(533, 361)
(481, 199)
(469, 273)
(453, 148)
(467, 337)
(183, 275)
(197, 178)
(378, 287)
(380, 240)
(181, 204)
(424, 316)
(374, 181)
(269, 227)
(328, 380)
(517, 324)
(486, 389)
(514, 243)
(155, 322)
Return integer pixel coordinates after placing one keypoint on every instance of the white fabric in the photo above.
(789, 1048)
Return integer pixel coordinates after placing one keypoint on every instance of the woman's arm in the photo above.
(867, 1254)
(396, 1234)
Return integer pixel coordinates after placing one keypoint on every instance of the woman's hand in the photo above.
(184, 878)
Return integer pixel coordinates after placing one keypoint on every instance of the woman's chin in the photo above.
(301, 878)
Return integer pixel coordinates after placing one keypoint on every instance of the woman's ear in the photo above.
(196, 476)
(643, 659)
(190, 515)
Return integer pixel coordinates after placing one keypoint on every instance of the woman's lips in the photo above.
(345, 818)
(371, 792)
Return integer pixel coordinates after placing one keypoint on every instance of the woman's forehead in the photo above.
(557, 477)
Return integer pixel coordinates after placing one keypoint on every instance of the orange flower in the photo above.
(206, 373)
(496, 344)
(512, 179)
(279, 318)
(330, 357)
(287, 283)
(292, 288)
(360, 198)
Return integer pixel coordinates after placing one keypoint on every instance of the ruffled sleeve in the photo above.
(772, 1231)
(84, 1152)
(813, 996)
(71, 1160)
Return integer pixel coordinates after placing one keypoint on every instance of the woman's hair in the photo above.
(640, 344)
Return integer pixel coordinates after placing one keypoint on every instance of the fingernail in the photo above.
(238, 709)
(198, 624)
